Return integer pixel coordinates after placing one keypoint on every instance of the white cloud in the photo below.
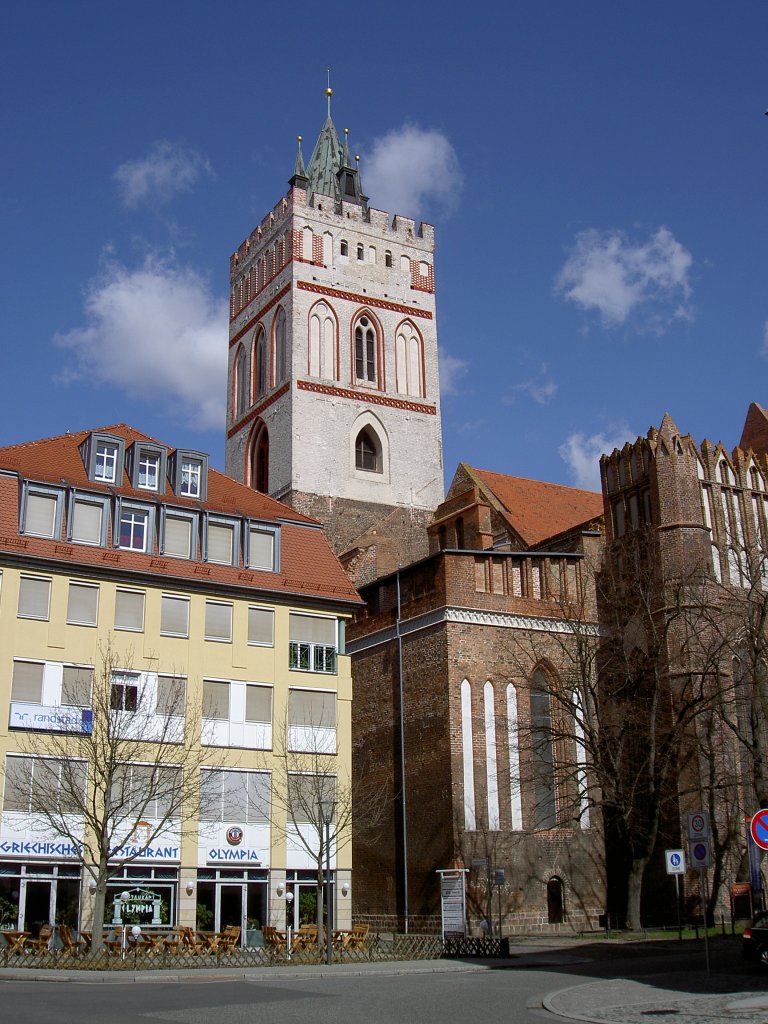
(452, 369)
(582, 453)
(410, 170)
(168, 169)
(158, 334)
(608, 273)
(541, 388)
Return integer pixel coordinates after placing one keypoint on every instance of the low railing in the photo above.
(308, 657)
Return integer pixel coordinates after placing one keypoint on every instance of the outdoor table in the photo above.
(341, 937)
(210, 941)
(16, 940)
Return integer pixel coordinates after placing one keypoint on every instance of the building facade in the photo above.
(691, 520)
(213, 620)
(453, 660)
(333, 402)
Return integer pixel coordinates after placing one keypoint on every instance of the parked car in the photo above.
(754, 942)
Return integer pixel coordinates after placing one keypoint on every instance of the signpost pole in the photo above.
(677, 901)
(702, 872)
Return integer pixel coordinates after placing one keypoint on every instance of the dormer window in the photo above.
(189, 474)
(191, 470)
(103, 455)
(105, 464)
(263, 547)
(149, 471)
(134, 528)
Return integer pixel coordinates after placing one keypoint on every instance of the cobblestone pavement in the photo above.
(634, 1002)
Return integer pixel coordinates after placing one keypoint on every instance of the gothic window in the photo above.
(467, 753)
(322, 342)
(343, 248)
(241, 382)
(280, 356)
(368, 451)
(261, 364)
(387, 258)
(361, 252)
(513, 746)
(409, 361)
(544, 810)
(366, 354)
(260, 459)
(491, 766)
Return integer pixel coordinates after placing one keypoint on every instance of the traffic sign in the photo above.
(758, 828)
(698, 825)
(700, 854)
(675, 862)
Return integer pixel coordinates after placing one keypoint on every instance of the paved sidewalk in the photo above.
(638, 1002)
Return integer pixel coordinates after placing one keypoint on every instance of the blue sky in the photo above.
(597, 173)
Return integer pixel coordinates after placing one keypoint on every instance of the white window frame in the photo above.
(265, 528)
(126, 509)
(219, 604)
(106, 455)
(37, 579)
(32, 490)
(193, 470)
(85, 498)
(83, 586)
(148, 469)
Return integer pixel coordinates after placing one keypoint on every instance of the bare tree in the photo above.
(121, 783)
(625, 698)
(313, 798)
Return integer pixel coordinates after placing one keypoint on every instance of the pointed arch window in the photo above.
(322, 342)
(241, 382)
(544, 810)
(280, 356)
(260, 459)
(260, 360)
(368, 451)
(409, 360)
(366, 352)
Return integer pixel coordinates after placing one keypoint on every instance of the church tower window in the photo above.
(409, 361)
(241, 382)
(366, 368)
(322, 342)
(261, 364)
(368, 451)
(280, 360)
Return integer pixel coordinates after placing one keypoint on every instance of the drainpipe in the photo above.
(402, 759)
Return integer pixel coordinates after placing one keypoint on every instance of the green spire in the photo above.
(330, 171)
(299, 177)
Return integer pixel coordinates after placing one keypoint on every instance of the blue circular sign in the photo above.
(759, 828)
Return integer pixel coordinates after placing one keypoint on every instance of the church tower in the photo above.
(333, 387)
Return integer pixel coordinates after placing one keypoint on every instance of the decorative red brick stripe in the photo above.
(257, 316)
(258, 410)
(366, 300)
(373, 397)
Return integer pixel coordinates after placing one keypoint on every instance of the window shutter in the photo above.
(171, 694)
(34, 595)
(258, 704)
(174, 615)
(261, 549)
(76, 686)
(18, 782)
(311, 629)
(220, 543)
(129, 610)
(258, 796)
(215, 700)
(27, 681)
(311, 709)
(178, 537)
(218, 621)
(40, 517)
(261, 626)
(87, 522)
(82, 604)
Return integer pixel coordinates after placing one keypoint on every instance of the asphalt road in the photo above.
(394, 999)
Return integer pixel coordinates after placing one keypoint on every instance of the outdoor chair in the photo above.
(69, 943)
(357, 936)
(40, 944)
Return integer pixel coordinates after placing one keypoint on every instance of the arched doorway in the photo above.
(555, 901)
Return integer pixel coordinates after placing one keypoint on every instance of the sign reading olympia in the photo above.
(758, 828)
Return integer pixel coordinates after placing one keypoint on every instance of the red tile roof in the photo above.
(308, 565)
(537, 511)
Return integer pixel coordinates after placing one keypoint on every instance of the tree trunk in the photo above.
(634, 892)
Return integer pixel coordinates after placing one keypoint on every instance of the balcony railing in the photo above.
(307, 657)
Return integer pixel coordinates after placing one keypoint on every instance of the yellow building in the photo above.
(214, 611)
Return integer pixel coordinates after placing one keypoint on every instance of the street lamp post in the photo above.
(328, 945)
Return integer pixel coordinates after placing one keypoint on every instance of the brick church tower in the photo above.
(333, 387)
